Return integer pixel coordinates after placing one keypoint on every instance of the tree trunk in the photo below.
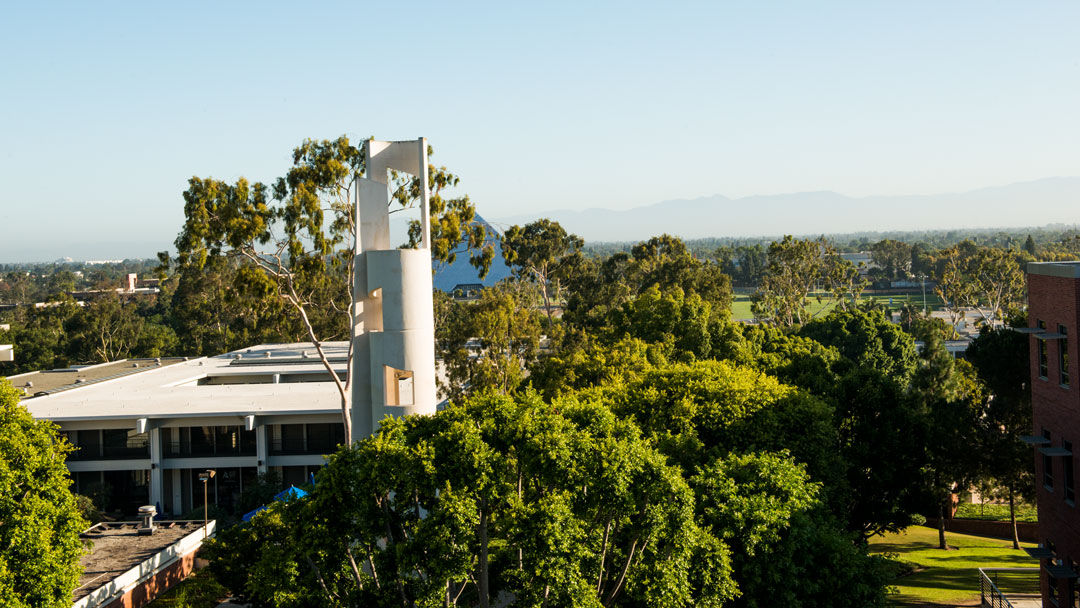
(482, 578)
(1012, 518)
(941, 527)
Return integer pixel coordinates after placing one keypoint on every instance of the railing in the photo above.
(992, 595)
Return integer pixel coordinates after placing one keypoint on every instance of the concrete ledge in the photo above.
(1067, 270)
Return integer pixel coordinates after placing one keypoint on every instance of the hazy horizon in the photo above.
(142, 248)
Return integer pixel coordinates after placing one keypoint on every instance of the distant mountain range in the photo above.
(1035, 203)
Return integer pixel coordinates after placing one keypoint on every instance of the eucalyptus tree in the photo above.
(487, 344)
(795, 268)
(298, 234)
(540, 252)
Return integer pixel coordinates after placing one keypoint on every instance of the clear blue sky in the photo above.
(106, 109)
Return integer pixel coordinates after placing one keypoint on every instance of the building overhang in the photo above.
(1047, 451)
(1050, 336)
(1039, 552)
(1060, 571)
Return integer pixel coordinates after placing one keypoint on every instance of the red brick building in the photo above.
(1054, 324)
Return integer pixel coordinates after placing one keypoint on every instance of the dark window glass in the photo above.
(228, 488)
(321, 438)
(1043, 365)
(202, 441)
(1067, 473)
(294, 476)
(290, 441)
(1048, 466)
(1063, 356)
(126, 490)
(247, 442)
(125, 443)
(227, 440)
(170, 442)
(89, 443)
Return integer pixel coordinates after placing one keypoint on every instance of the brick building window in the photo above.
(1048, 467)
(1063, 356)
(1067, 473)
(1043, 364)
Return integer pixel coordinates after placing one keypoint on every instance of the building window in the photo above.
(1067, 473)
(1043, 365)
(1048, 467)
(1063, 355)
(125, 443)
(194, 441)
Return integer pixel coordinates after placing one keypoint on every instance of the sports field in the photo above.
(740, 307)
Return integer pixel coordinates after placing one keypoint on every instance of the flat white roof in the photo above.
(175, 391)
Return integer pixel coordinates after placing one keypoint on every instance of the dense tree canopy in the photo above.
(552, 504)
(39, 521)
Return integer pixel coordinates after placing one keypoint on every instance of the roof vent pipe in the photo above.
(146, 514)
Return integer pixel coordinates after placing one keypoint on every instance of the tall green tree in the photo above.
(894, 257)
(39, 520)
(866, 338)
(954, 403)
(537, 252)
(486, 345)
(599, 287)
(796, 267)
(1029, 245)
(1002, 362)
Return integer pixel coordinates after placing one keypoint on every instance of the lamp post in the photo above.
(922, 277)
(205, 478)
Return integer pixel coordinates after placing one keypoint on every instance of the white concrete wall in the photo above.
(394, 324)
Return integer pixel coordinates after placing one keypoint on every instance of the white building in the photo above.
(145, 429)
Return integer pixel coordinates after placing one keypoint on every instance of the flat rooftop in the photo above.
(118, 547)
(36, 384)
(266, 379)
(1068, 270)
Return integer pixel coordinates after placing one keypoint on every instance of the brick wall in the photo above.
(1056, 301)
(156, 585)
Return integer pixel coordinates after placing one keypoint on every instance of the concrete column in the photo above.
(157, 481)
(262, 447)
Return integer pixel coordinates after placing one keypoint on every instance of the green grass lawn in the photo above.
(951, 578)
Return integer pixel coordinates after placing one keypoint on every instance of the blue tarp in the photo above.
(291, 492)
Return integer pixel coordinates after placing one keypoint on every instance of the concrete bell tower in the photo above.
(393, 369)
